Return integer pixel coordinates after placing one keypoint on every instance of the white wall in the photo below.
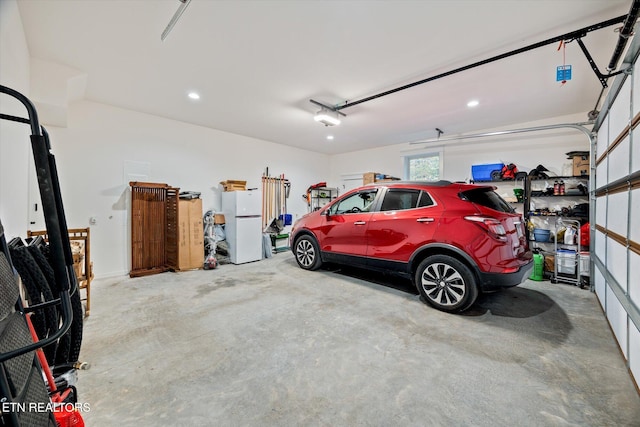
(14, 137)
(102, 144)
(526, 150)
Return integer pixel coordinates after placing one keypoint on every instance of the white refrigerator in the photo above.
(243, 217)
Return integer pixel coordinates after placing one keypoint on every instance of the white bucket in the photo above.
(585, 264)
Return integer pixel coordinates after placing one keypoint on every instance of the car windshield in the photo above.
(487, 197)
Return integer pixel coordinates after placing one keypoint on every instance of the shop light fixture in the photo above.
(473, 103)
(330, 137)
(193, 95)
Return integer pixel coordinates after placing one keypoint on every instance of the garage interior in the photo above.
(265, 342)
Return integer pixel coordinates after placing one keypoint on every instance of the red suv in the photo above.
(453, 240)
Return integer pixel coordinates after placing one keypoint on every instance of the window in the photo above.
(359, 202)
(425, 200)
(487, 197)
(423, 167)
(400, 199)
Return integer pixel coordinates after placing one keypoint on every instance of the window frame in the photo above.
(425, 154)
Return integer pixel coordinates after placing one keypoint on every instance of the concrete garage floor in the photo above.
(268, 344)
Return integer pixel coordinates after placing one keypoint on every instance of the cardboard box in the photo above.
(368, 178)
(78, 264)
(234, 185)
(190, 234)
(580, 165)
(371, 177)
(218, 219)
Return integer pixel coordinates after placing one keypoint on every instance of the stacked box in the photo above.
(234, 185)
(190, 234)
(581, 165)
(371, 177)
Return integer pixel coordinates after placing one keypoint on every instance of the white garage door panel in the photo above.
(635, 78)
(634, 350)
(618, 213)
(603, 137)
(619, 161)
(618, 320)
(635, 148)
(620, 112)
(601, 174)
(601, 210)
(601, 287)
(617, 261)
(635, 218)
(601, 245)
(634, 283)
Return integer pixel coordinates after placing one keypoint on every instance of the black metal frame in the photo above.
(60, 249)
(55, 220)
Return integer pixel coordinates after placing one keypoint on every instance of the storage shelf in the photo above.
(553, 178)
(555, 211)
(541, 196)
(555, 215)
(321, 196)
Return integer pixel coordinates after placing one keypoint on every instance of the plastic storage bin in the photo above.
(483, 172)
(566, 261)
(541, 235)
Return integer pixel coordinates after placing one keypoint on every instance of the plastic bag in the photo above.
(570, 236)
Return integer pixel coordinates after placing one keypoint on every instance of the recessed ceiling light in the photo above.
(329, 137)
(193, 95)
(473, 103)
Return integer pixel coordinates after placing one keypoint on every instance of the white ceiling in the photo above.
(257, 63)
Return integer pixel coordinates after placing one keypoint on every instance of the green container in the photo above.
(519, 193)
(538, 268)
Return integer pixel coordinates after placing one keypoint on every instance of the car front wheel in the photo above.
(446, 283)
(307, 253)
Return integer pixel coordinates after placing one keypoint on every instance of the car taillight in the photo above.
(492, 225)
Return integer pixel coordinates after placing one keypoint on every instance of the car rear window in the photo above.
(488, 198)
(400, 199)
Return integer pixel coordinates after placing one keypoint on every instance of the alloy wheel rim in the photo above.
(305, 253)
(443, 284)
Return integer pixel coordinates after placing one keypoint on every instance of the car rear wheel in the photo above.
(307, 253)
(446, 283)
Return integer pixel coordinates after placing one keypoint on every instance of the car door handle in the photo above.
(425, 220)
(359, 223)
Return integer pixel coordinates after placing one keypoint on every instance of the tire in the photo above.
(307, 253)
(446, 283)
